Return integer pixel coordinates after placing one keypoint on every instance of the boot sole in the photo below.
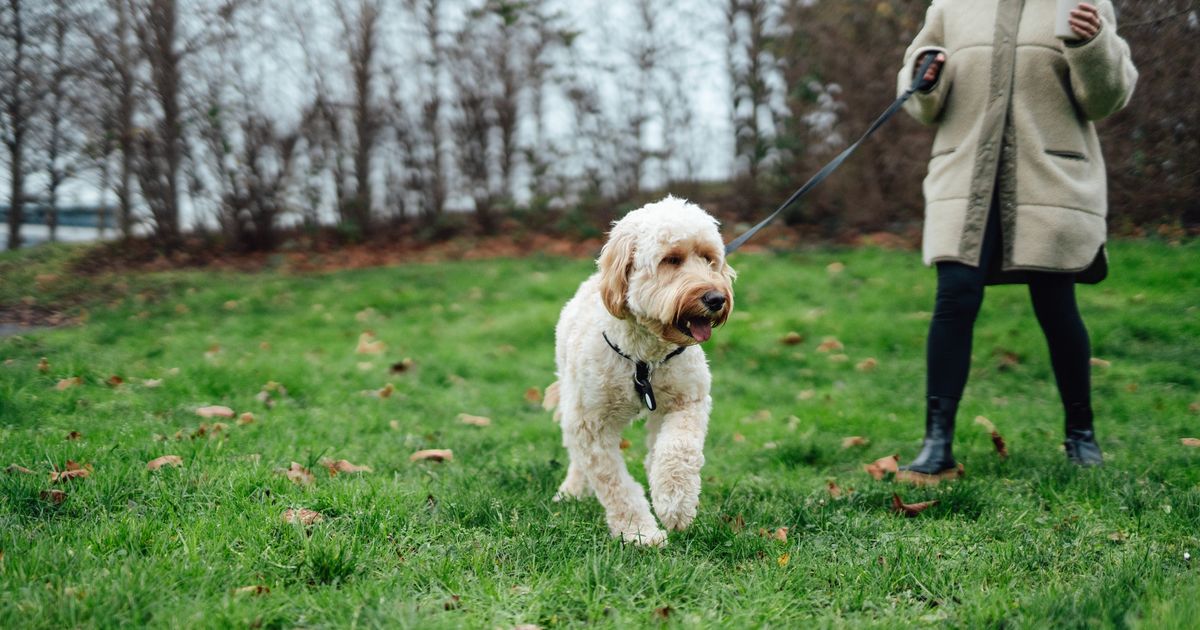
(923, 479)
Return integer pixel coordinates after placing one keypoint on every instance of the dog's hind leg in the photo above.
(596, 448)
(675, 471)
(653, 424)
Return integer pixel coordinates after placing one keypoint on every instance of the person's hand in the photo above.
(1085, 21)
(935, 68)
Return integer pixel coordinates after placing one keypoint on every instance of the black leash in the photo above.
(641, 374)
(917, 84)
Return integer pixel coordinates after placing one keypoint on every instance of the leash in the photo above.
(641, 373)
(917, 84)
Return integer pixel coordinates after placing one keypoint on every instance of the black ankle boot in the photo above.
(936, 456)
(1081, 443)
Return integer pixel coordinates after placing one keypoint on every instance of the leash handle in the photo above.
(918, 83)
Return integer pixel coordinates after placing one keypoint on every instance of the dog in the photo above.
(624, 349)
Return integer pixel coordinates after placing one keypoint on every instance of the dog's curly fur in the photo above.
(648, 297)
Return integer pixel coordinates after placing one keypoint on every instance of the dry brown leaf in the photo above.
(910, 509)
(367, 344)
(453, 603)
(854, 440)
(829, 345)
(1008, 360)
(867, 364)
(783, 559)
(298, 474)
(807, 394)
(231, 305)
(739, 438)
(386, 391)
(1100, 363)
(1001, 447)
(214, 411)
(394, 425)
(246, 418)
(662, 613)
(533, 395)
(882, 466)
(792, 339)
(475, 421)
(17, 468)
(736, 523)
(115, 381)
(74, 435)
(432, 455)
(985, 423)
(839, 357)
(53, 496)
(835, 491)
(68, 383)
(303, 516)
(43, 365)
(257, 589)
(1194, 407)
(402, 365)
(835, 267)
(73, 470)
(182, 309)
(343, 466)
(1117, 537)
(213, 351)
(165, 460)
(151, 383)
(264, 345)
(780, 534)
(625, 444)
(1192, 442)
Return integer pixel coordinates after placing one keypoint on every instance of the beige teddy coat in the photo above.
(1015, 107)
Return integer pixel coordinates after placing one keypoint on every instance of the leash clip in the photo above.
(641, 384)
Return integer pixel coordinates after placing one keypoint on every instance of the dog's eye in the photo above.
(672, 260)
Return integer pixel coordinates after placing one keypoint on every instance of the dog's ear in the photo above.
(616, 261)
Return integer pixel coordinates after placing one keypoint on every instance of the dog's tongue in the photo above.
(701, 329)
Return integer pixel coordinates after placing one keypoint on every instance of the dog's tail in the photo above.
(550, 401)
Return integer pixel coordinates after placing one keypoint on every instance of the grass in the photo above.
(1029, 541)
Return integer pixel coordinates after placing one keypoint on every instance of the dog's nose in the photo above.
(714, 300)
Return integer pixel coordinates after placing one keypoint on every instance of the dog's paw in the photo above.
(676, 518)
(645, 537)
(573, 492)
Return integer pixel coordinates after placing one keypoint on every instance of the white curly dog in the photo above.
(624, 350)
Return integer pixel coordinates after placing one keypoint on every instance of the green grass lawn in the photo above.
(476, 542)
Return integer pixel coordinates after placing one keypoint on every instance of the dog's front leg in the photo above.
(678, 457)
(596, 446)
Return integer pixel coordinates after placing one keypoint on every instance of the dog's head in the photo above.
(664, 265)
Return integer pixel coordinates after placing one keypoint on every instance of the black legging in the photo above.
(959, 295)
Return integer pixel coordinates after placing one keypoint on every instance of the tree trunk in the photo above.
(16, 174)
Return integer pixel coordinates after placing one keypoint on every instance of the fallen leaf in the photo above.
(365, 314)
(68, 383)
(54, 496)
(231, 305)
(780, 534)
(533, 395)
(367, 344)
(739, 438)
(807, 394)
(867, 364)
(792, 339)
(1117, 537)
(165, 460)
(214, 411)
(43, 365)
(212, 351)
(264, 345)
(985, 423)
(386, 391)
(662, 613)
(1008, 360)
(475, 421)
(1192, 442)
(625, 444)
(835, 267)
(1100, 363)
(402, 366)
(922, 479)
(115, 381)
(257, 589)
(394, 425)
(783, 560)
(834, 491)
(17, 468)
(343, 466)
(433, 455)
(910, 509)
(998, 442)
(453, 603)
(303, 516)
(839, 358)
(181, 309)
(1194, 407)
(72, 471)
(74, 435)
(246, 418)
(882, 466)
(151, 383)
(736, 523)
(854, 440)
(218, 427)
(829, 345)
(1131, 388)
(297, 473)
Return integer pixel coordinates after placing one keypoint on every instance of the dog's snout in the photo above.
(714, 300)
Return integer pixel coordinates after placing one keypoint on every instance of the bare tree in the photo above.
(430, 150)
(360, 37)
(19, 32)
(60, 110)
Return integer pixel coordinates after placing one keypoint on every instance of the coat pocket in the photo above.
(1067, 155)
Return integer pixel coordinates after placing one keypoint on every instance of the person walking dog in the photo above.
(1016, 189)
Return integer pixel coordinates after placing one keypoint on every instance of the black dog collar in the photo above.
(641, 373)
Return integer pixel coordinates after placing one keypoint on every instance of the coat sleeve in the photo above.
(1102, 73)
(926, 105)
